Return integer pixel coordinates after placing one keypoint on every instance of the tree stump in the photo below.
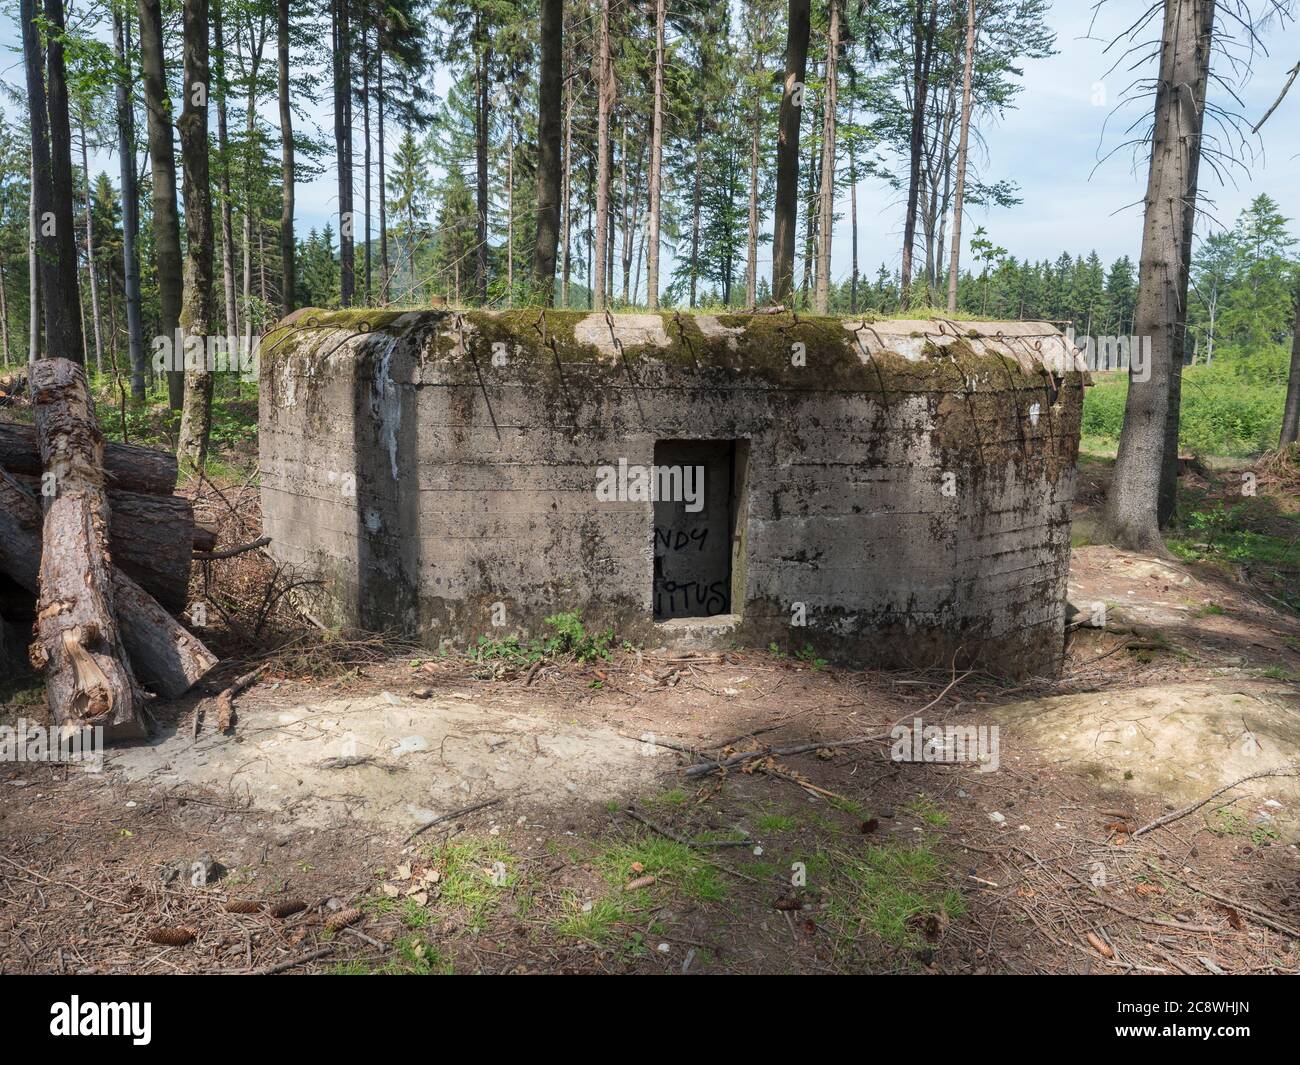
(88, 677)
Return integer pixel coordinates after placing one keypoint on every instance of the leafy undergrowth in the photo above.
(233, 442)
(569, 639)
(1232, 523)
(1223, 411)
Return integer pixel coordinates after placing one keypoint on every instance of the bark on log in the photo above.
(88, 677)
(152, 539)
(166, 657)
(127, 467)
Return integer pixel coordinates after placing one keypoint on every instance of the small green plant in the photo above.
(809, 655)
(571, 638)
(1226, 822)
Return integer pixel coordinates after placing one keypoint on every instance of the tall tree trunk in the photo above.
(656, 161)
(90, 257)
(787, 153)
(1192, 103)
(482, 114)
(162, 160)
(130, 201)
(197, 310)
(288, 274)
(343, 139)
(853, 206)
(697, 197)
(550, 90)
(922, 40)
(624, 216)
(63, 333)
(365, 153)
(1131, 514)
(751, 247)
(4, 311)
(383, 194)
(223, 152)
(821, 297)
(566, 197)
(33, 268)
(44, 224)
(605, 105)
(1291, 413)
(510, 218)
(810, 223)
(963, 140)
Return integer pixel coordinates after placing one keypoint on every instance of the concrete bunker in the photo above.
(888, 492)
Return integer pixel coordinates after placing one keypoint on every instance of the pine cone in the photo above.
(288, 908)
(243, 906)
(342, 919)
(171, 937)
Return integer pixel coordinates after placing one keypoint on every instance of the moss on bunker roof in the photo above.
(788, 350)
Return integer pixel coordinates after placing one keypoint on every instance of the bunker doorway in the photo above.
(699, 488)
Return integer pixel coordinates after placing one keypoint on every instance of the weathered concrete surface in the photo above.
(904, 491)
(1178, 741)
(397, 760)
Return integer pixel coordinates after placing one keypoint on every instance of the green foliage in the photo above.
(1227, 408)
(894, 891)
(571, 638)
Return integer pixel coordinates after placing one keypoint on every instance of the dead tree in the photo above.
(88, 676)
(167, 658)
(127, 467)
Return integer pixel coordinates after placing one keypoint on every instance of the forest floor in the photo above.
(1181, 677)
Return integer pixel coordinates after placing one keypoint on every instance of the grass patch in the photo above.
(895, 892)
(671, 797)
(594, 922)
(476, 875)
(676, 868)
(770, 824)
(411, 956)
(672, 864)
(928, 811)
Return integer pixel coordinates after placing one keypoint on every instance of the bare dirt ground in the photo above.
(832, 857)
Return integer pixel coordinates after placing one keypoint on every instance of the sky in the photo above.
(1054, 145)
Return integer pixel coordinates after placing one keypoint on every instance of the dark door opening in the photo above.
(694, 527)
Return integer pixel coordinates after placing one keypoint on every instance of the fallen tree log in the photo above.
(153, 540)
(166, 657)
(127, 467)
(88, 676)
